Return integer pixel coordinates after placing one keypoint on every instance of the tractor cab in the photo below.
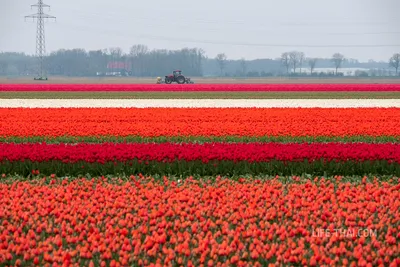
(176, 73)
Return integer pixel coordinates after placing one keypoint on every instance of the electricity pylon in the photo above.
(40, 37)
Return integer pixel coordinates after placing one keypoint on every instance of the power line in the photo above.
(40, 36)
(187, 40)
(263, 44)
(160, 22)
(260, 30)
(345, 20)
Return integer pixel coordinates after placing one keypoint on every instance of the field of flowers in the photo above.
(185, 186)
(199, 91)
(202, 87)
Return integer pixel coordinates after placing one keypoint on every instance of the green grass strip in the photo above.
(200, 139)
(212, 168)
(287, 180)
(200, 95)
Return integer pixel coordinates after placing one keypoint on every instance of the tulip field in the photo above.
(200, 91)
(90, 178)
(201, 87)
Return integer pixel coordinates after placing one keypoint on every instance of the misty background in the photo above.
(91, 37)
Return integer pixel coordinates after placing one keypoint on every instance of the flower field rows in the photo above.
(202, 87)
(199, 223)
(252, 152)
(202, 159)
(200, 122)
(95, 185)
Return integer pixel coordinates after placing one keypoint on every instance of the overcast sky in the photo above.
(249, 29)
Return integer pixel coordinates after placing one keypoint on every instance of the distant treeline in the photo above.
(144, 62)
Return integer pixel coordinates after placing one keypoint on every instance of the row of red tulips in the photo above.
(201, 122)
(225, 223)
(201, 159)
(169, 152)
(203, 87)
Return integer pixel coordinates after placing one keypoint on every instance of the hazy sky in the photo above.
(250, 29)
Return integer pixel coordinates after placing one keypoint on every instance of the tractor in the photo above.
(176, 76)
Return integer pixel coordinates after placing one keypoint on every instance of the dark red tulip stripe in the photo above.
(247, 223)
(201, 87)
(252, 152)
(214, 158)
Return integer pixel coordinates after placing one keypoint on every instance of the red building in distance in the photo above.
(117, 68)
(119, 65)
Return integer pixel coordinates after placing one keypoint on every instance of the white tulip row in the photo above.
(198, 103)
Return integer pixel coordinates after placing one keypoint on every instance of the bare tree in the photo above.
(312, 62)
(337, 60)
(138, 49)
(116, 52)
(294, 60)
(285, 61)
(301, 59)
(394, 62)
(137, 54)
(201, 56)
(221, 60)
(243, 66)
